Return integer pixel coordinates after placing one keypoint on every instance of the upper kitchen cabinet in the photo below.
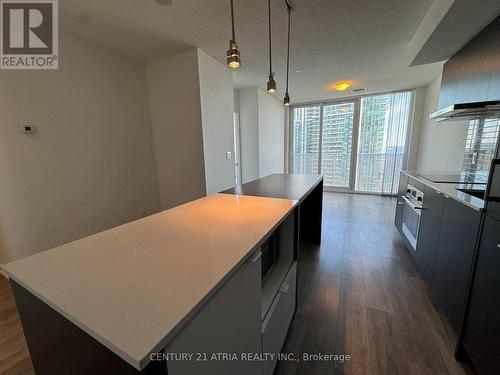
(473, 73)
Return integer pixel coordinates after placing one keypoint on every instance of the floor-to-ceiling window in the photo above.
(358, 144)
(305, 139)
(336, 143)
(383, 129)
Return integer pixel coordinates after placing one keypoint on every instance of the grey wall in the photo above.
(217, 106)
(92, 164)
(442, 145)
(174, 96)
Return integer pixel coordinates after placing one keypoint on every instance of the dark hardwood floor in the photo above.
(14, 355)
(359, 294)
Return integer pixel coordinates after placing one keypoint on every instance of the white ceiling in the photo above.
(366, 41)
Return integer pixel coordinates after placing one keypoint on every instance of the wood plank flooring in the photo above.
(359, 294)
(14, 355)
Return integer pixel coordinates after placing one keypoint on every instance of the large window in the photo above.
(357, 144)
(382, 141)
(480, 148)
(305, 142)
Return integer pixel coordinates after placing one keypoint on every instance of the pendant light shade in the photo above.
(271, 83)
(286, 99)
(233, 54)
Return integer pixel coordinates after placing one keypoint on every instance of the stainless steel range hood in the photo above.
(467, 111)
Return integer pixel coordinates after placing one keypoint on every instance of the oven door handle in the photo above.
(411, 204)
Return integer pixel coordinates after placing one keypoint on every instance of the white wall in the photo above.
(442, 144)
(217, 107)
(249, 133)
(414, 136)
(262, 133)
(92, 165)
(174, 96)
(271, 134)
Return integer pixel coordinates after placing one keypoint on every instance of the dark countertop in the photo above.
(284, 186)
(450, 189)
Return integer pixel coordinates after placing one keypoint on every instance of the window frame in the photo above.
(356, 127)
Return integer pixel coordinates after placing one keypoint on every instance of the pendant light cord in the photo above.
(232, 20)
(270, 51)
(288, 50)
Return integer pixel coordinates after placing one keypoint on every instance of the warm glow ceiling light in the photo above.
(286, 99)
(271, 83)
(341, 86)
(233, 54)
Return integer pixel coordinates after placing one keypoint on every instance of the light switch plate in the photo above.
(229, 155)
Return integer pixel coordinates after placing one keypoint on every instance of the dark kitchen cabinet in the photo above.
(428, 238)
(482, 327)
(473, 73)
(398, 221)
(474, 70)
(459, 228)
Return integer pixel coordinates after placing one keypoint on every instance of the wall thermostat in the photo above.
(28, 129)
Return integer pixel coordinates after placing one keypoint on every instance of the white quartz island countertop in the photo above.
(133, 287)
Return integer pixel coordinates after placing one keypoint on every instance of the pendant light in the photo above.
(286, 99)
(271, 83)
(233, 54)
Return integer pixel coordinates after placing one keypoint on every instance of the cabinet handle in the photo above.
(401, 203)
(255, 257)
(284, 288)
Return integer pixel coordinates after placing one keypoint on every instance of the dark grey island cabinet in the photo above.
(306, 189)
(452, 268)
(180, 292)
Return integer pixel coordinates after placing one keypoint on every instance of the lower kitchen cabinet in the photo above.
(277, 321)
(457, 240)
(229, 323)
(482, 327)
(428, 237)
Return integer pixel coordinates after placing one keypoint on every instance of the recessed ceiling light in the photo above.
(341, 85)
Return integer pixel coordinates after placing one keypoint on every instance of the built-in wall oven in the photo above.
(413, 200)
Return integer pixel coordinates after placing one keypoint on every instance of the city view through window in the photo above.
(354, 148)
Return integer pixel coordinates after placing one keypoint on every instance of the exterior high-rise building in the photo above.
(326, 137)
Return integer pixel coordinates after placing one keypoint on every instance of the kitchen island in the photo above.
(183, 282)
(306, 189)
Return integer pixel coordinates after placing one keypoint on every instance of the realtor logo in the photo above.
(29, 37)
